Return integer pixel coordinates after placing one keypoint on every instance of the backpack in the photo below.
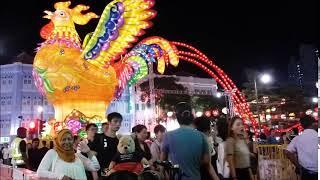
(222, 164)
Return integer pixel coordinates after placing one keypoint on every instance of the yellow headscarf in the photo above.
(65, 155)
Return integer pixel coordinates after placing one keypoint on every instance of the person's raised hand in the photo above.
(83, 147)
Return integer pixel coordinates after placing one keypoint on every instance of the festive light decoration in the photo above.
(32, 125)
(292, 115)
(88, 77)
(309, 112)
(199, 59)
(199, 114)
(207, 113)
(215, 113)
(170, 114)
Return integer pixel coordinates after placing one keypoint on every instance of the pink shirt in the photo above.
(305, 145)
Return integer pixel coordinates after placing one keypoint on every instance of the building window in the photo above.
(143, 107)
(10, 81)
(29, 81)
(25, 81)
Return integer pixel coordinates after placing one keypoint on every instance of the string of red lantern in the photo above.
(224, 81)
(193, 61)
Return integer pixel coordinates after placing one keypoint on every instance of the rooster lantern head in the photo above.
(64, 16)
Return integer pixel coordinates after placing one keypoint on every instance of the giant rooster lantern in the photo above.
(87, 77)
(81, 80)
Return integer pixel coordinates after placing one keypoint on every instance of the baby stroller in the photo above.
(173, 171)
(147, 174)
(120, 175)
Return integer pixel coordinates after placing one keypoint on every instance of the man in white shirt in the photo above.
(6, 153)
(303, 150)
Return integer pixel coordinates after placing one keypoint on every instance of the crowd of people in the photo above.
(201, 147)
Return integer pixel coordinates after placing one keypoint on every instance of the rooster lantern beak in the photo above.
(49, 14)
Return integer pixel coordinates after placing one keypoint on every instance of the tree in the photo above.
(205, 102)
(168, 101)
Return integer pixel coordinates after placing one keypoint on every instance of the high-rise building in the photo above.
(308, 59)
(302, 70)
(295, 72)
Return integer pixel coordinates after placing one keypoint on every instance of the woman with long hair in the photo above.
(237, 151)
(141, 134)
(63, 163)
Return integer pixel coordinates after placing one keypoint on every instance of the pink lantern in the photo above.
(74, 126)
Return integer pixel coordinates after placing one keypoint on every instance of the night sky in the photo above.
(237, 34)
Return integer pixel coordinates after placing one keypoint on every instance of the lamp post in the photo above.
(228, 100)
(264, 78)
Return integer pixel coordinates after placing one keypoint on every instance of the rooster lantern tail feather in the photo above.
(121, 22)
(134, 66)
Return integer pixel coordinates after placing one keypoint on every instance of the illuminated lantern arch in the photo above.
(197, 58)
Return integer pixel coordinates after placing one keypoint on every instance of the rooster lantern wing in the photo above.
(88, 77)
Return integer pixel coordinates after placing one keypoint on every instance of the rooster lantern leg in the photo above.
(88, 77)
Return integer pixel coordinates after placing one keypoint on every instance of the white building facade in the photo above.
(20, 98)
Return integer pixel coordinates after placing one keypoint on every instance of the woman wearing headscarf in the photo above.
(63, 163)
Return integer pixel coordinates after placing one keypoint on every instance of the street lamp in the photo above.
(40, 109)
(199, 114)
(315, 100)
(265, 79)
(169, 114)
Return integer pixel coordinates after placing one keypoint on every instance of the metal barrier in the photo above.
(273, 164)
(10, 173)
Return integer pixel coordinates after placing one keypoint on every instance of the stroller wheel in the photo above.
(150, 175)
(121, 175)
